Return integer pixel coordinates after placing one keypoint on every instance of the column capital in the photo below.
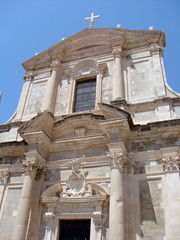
(28, 76)
(117, 159)
(117, 52)
(34, 164)
(155, 49)
(4, 174)
(55, 65)
(171, 163)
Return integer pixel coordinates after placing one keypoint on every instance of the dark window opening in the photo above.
(74, 230)
(85, 95)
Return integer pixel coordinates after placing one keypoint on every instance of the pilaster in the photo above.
(156, 52)
(28, 77)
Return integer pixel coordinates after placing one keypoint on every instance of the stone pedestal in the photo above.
(118, 82)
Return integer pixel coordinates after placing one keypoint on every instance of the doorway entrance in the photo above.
(74, 230)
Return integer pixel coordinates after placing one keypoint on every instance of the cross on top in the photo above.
(91, 18)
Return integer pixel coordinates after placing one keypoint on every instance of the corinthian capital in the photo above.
(155, 49)
(171, 163)
(55, 65)
(28, 76)
(117, 52)
(4, 174)
(117, 159)
(33, 166)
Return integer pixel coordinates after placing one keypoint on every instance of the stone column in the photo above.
(118, 82)
(116, 211)
(32, 166)
(51, 88)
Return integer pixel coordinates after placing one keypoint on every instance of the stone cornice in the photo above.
(104, 38)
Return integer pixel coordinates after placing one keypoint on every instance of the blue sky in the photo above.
(31, 26)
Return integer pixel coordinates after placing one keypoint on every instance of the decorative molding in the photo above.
(4, 174)
(171, 163)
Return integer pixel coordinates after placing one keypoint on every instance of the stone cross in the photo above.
(91, 18)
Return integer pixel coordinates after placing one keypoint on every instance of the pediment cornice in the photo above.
(96, 40)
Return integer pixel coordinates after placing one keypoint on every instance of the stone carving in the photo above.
(171, 163)
(118, 160)
(33, 167)
(76, 185)
(4, 174)
(80, 132)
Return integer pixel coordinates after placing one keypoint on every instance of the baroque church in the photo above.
(92, 151)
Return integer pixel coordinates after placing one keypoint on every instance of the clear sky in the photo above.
(31, 26)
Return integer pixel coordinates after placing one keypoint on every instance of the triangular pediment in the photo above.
(94, 40)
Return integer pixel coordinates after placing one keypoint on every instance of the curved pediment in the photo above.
(58, 191)
(77, 125)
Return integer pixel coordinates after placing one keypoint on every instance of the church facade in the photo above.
(92, 151)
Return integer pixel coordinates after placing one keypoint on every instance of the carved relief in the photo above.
(171, 163)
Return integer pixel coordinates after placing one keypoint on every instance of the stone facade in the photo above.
(116, 165)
